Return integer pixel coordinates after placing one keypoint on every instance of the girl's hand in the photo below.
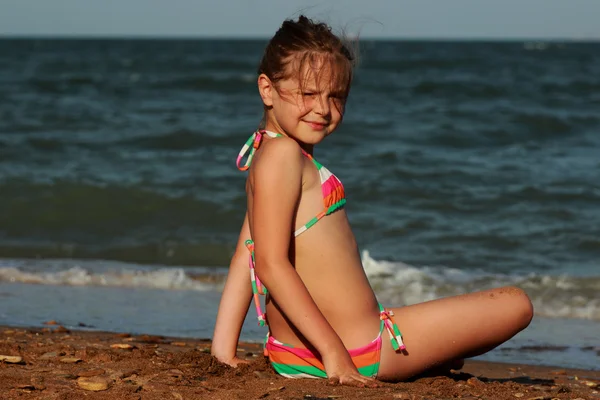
(353, 379)
(343, 372)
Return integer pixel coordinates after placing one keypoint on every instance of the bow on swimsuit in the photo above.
(294, 362)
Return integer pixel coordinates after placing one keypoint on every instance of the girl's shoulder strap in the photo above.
(252, 144)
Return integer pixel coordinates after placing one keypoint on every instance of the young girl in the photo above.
(323, 317)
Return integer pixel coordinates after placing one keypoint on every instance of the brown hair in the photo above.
(305, 42)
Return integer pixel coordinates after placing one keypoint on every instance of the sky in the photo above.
(412, 19)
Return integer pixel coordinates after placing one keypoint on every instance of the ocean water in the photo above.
(467, 165)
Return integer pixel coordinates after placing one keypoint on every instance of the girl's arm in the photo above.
(276, 181)
(235, 301)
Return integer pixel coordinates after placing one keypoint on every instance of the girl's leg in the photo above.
(443, 330)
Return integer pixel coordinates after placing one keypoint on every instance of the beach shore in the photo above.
(58, 363)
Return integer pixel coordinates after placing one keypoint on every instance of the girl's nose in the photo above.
(322, 106)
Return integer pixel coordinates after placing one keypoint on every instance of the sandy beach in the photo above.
(56, 363)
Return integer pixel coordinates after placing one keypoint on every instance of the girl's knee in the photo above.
(520, 304)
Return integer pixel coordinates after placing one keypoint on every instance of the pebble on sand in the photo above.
(93, 383)
(70, 360)
(11, 359)
(48, 355)
(122, 346)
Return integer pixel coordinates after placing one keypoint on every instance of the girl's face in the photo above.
(306, 111)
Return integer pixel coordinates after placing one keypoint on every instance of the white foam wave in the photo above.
(163, 278)
(554, 296)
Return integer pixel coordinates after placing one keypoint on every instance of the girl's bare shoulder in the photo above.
(279, 158)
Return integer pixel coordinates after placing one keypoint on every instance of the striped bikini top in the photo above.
(333, 191)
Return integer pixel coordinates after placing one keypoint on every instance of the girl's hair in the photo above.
(305, 43)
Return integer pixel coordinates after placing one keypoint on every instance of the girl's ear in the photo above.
(265, 88)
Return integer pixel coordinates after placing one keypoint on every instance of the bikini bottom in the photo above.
(296, 362)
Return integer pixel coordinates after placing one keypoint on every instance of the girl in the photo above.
(323, 316)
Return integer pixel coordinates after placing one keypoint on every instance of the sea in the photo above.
(467, 165)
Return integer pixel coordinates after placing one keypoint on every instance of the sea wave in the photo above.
(128, 277)
(553, 296)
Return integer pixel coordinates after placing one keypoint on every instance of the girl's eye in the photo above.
(339, 99)
(308, 94)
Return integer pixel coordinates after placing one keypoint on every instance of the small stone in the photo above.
(179, 344)
(151, 339)
(175, 372)
(11, 359)
(67, 376)
(51, 322)
(127, 374)
(177, 396)
(26, 387)
(538, 398)
(474, 381)
(123, 335)
(122, 346)
(402, 395)
(48, 355)
(70, 360)
(38, 382)
(61, 329)
(518, 395)
(94, 383)
(564, 389)
(261, 374)
(593, 385)
(9, 332)
(559, 372)
(91, 372)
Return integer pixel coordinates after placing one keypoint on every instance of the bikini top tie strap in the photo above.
(251, 144)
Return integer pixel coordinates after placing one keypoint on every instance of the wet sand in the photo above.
(55, 363)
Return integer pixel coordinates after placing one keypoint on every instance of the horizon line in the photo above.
(44, 36)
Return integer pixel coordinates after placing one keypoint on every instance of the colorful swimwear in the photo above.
(294, 362)
(333, 191)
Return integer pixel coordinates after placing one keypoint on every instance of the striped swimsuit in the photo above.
(294, 362)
